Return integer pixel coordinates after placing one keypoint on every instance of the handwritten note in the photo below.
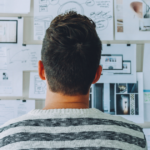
(147, 97)
(103, 3)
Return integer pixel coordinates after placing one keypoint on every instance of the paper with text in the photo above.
(15, 6)
(10, 109)
(11, 83)
(24, 57)
(37, 87)
(100, 11)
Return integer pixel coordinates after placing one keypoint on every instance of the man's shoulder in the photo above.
(100, 126)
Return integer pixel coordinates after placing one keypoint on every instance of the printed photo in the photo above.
(123, 104)
(119, 8)
(121, 88)
(142, 11)
(133, 88)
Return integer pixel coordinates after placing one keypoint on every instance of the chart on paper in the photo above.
(100, 11)
(23, 57)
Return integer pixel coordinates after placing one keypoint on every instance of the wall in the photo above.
(28, 39)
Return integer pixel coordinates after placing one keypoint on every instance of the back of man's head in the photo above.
(71, 54)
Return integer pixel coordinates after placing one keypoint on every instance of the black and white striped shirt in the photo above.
(71, 129)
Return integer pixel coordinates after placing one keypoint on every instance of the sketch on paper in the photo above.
(40, 25)
(71, 6)
(101, 12)
(101, 19)
(17, 57)
(23, 58)
(39, 85)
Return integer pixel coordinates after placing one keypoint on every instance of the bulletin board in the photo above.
(28, 39)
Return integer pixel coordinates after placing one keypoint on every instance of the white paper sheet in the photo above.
(121, 99)
(146, 71)
(37, 87)
(11, 83)
(3, 58)
(10, 109)
(15, 6)
(100, 11)
(147, 135)
(120, 76)
(132, 19)
(11, 31)
(24, 57)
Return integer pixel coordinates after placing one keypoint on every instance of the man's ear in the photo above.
(41, 70)
(97, 75)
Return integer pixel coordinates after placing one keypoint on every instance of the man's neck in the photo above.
(60, 101)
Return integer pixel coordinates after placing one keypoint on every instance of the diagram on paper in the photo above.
(39, 85)
(100, 11)
(23, 58)
(5, 84)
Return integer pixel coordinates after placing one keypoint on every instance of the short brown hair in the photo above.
(71, 53)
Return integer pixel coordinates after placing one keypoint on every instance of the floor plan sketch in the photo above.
(38, 87)
(100, 11)
(23, 57)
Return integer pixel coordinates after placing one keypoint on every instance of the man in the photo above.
(70, 64)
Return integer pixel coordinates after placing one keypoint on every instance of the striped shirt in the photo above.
(71, 129)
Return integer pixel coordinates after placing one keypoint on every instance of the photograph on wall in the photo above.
(125, 99)
(132, 19)
(8, 31)
(117, 64)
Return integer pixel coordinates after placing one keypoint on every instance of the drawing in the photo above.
(5, 76)
(39, 85)
(42, 1)
(90, 2)
(20, 56)
(101, 19)
(53, 2)
(99, 11)
(71, 6)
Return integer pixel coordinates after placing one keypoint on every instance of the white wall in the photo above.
(28, 39)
